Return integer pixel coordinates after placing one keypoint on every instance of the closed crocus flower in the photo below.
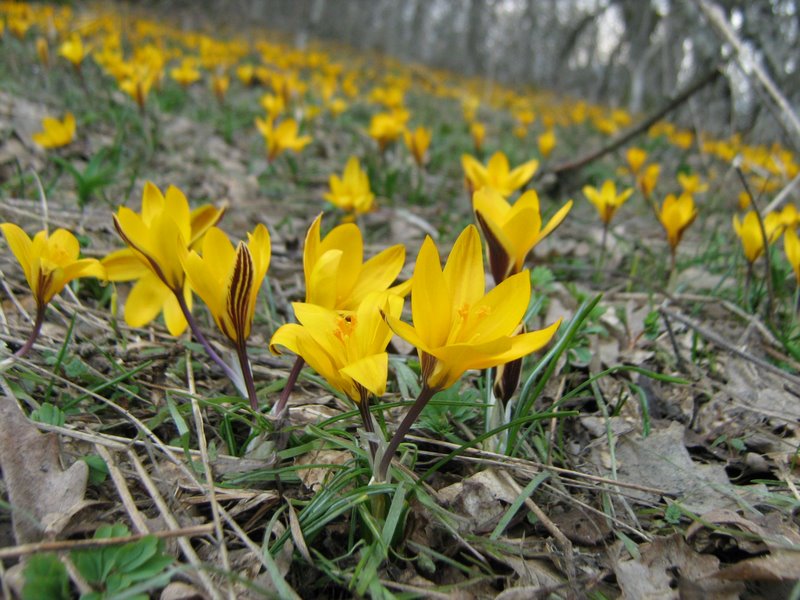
(417, 142)
(749, 232)
(676, 214)
(791, 245)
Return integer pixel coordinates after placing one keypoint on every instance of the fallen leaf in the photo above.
(670, 569)
(42, 495)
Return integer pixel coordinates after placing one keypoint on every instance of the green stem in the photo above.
(405, 426)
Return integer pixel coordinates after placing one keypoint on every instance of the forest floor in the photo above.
(657, 454)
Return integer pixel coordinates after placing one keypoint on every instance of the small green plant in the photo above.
(45, 577)
(113, 569)
(99, 173)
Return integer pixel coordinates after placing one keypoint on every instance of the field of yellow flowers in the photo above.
(301, 322)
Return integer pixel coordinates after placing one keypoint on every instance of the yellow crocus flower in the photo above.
(228, 279)
(417, 142)
(511, 231)
(458, 326)
(351, 192)
(791, 245)
(55, 133)
(385, 128)
(156, 238)
(335, 274)
(790, 216)
(49, 261)
(606, 200)
(219, 85)
(281, 138)
(185, 74)
(692, 184)
(497, 174)
(73, 50)
(348, 350)
(676, 214)
(635, 158)
(546, 141)
(749, 233)
(274, 105)
(647, 179)
(478, 132)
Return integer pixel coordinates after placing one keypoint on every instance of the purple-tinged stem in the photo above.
(290, 383)
(37, 327)
(202, 339)
(247, 373)
(405, 426)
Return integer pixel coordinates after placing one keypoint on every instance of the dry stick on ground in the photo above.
(749, 65)
(92, 543)
(701, 82)
(718, 340)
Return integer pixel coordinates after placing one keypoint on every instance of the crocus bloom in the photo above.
(606, 200)
(228, 279)
(43, 51)
(336, 276)
(283, 137)
(511, 231)
(676, 214)
(55, 133)
(417, 142)
(219, 85)
(692, 184)
(635, 158)
(156, 238)
(274, 105)
(497, 174)
(791, 245)
(73, 50)
(385, 128)
(49, 261)
(457, 326)
(546, 142)
(185, 74)
(348, 350)
(478, 132)
(790, 216)
(749, 233)
(352, 192)
(647, 179)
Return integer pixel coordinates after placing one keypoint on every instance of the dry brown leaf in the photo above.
(783, 565)
(480, 499)
(669, 569)
(42, 495)
(314, 477)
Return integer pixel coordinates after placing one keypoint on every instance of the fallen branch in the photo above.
(622, 139)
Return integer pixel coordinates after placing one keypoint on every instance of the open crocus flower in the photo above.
(647, 179)
(497, 174)
(457, 326)
(156, 237)
(749, 232)
(347, 349)
(228, 279)
(511, 231)
(386, 127)
(352, 192)
(336, 276)
(55, 133)
(283, 137)
(606, 200)
(676, 214)
(49, 262)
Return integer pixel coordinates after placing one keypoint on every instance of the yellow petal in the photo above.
(124, 265)
(370, 372)
(463, 273)
(431, 303)
(21, 246)
(145, 300)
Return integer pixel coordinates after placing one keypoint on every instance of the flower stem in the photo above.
(405, 426)
(212, 354)
(247, 373)
(37, 327)
(280, 405)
